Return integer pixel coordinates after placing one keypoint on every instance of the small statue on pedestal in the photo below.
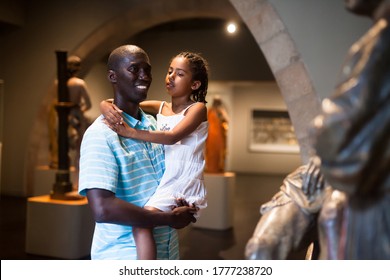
(216, 142)
(77, 121)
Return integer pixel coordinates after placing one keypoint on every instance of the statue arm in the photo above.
(288, 222)
(279, 232)
(87, 104)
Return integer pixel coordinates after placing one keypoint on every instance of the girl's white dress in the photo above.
(184, 165)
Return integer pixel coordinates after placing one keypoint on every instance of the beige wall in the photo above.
(323, 31)
(247, 97)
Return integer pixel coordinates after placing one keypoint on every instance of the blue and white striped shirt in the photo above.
(131, 169)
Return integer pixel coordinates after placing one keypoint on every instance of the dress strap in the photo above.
(185, 110)
(161, 106)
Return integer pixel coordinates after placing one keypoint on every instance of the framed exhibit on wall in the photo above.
(272, 131)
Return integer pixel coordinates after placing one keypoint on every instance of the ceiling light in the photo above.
(231, 28)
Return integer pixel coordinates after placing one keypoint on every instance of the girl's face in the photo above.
(178, 80)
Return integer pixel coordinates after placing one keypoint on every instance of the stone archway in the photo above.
(286, 64)
(263, 22)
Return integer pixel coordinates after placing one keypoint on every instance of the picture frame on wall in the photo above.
(272, 131)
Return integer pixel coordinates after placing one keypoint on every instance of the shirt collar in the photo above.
(139, 124)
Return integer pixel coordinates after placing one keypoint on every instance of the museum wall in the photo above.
(12, 11)
(321, 30)
(247, 97)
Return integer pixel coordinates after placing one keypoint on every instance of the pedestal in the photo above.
(219, 212)
(59, 228)
(45, 177)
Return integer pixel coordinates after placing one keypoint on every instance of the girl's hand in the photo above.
(123, 129)
(180, 202)
(112, 114)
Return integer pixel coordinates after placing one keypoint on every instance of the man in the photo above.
(118, 175)
(352, 153)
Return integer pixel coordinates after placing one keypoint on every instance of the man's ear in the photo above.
(195, 85)
(111, 76)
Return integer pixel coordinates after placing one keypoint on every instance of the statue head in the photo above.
(73, 64)
(363, 7)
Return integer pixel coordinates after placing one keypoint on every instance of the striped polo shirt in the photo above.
(131, 169)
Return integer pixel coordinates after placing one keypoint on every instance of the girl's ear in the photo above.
(111, 76)
(195, 85)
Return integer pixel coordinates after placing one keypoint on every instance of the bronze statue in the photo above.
(288, 222)
(343, 193)
(71, 103)
(78, 122)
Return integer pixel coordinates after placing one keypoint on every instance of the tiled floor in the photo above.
(195, 243)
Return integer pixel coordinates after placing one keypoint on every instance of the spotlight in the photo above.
(231, 28)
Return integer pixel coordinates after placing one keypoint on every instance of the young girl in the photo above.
(182, 127)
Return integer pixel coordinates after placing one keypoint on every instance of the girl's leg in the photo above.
(144, 241)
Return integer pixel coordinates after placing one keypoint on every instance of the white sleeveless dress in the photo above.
(184, 165)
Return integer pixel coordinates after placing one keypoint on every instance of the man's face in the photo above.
(133, 77)
(362, 7)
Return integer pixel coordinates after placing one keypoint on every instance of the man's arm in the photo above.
(107, 208)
